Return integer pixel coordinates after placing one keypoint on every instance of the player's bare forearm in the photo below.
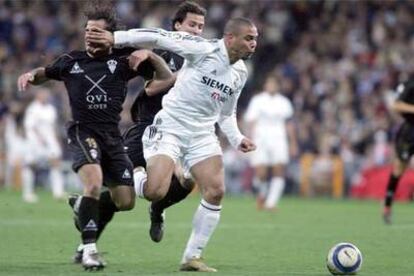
(36, 76)
(157, 86)
(162, 71)
(39, 76)
(403, 107)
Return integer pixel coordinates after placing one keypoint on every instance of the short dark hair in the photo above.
(234, 24)
(184, 8)
(104, 10)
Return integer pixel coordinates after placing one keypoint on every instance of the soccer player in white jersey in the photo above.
(267, 118)
(206, 92)
(40, 128)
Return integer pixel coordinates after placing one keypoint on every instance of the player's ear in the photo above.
(177, 25)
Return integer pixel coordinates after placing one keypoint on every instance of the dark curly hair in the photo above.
(97, 10)
(184, 8)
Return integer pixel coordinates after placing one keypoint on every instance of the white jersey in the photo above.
(40, 128)
(269, 114)
(40, 122)
(207, 86)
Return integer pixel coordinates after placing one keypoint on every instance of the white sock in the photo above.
(261, 187)
(28, 181)
(140, 180)
(277, 185)
(56, 182)
(205, 222)
(89, 248)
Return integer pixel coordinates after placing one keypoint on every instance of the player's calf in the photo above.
(175, 194)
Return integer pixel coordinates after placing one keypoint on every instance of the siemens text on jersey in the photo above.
(216, 84)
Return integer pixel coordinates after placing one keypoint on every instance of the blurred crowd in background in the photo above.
(338, 61)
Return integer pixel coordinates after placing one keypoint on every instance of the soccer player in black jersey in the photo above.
(189, 18)
(404, 143)
(96, 81)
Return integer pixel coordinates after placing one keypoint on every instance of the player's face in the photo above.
(42, 95)
(244, 43)
(90, 47)
(271, 85)
(192, 24)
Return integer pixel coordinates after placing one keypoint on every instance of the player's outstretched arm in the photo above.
(157, 86)
(35, 77)
(403, 107)
(183, 44)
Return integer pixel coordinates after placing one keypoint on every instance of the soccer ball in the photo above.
(344, 259)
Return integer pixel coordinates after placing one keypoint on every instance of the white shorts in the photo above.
(270, 153)
(168, 137)
(42, 152)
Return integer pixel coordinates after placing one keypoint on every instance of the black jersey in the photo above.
(97, 87)
(145, 107)
(406, 94)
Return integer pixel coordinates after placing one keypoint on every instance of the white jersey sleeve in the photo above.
(188, 46)
(228, 121)
(228, 124)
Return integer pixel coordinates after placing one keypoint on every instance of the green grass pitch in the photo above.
(39, 239)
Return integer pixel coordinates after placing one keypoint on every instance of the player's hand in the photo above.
(136, 57)
(247, 145)
(24, 80)
(101, 37)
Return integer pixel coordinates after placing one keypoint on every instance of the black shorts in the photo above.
(404, 142)
(133, 143)
(104, 146)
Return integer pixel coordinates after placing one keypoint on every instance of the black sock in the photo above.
(107, 209)
(391, 188)
(175, 194)
(88, 219)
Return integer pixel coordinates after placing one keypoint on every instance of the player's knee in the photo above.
(92, 190)
(154, 194)
(125, 204)
(156, 188)
(215, 194)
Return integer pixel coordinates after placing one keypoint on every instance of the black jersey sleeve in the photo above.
(146, 70)
(405, 92)
(55, 70)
